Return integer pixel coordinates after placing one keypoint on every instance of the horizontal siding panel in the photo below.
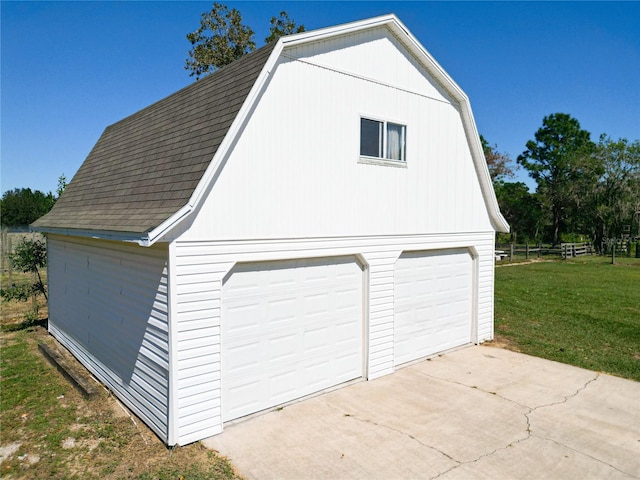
(205, 358)
(383, 340)
(109, 304)
(205, 380)
(382, 329)
(200, 398)
(198, 304)
(206, 350)
(190, 374)
(208, 287)
(382, 359)
(204, 326)
(385, 309)
(203, 297)
(183, 280)
(210, 343)
(386, 299)
(211, 334)
(203, 428)
(381, 318)
(195, 269)
(198, 315)
(200, 415)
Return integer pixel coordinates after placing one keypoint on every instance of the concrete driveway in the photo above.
(479, 412)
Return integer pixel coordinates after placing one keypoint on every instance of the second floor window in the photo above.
(385, 140)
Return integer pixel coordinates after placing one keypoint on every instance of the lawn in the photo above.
(584, 312)
(48, 430)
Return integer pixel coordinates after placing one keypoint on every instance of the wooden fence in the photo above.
(537, 250)
(572, 250)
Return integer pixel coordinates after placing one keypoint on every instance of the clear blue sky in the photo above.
(70, 69)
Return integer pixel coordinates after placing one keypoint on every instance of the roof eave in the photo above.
(131, 237)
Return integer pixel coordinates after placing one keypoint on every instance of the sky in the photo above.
(70, 69)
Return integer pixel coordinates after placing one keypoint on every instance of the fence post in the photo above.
(3, 249)
(34, 298)
(10, 264)
(526, 255)
(613, 253)
(511, 253)
(539, 249)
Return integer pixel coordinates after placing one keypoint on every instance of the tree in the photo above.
(281, 26)
(560, 161)
(499, 163)
(521, 209)
(22, 206)
(616, 198)
(221, 39)
(62, 185)
(29, 256)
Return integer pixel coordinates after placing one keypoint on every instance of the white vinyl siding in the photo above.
(289, 329)
(433, 303)
(288, 181)
(202, 267)
(109, 306)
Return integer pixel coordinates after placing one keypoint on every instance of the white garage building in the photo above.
(317, 212)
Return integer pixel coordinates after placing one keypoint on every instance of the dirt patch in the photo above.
(502, 342)
(7, 451)
(524, 262)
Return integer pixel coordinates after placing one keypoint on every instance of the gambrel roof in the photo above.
(145, 168)
(150, 171)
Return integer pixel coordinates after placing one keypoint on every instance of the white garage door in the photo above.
(289, 329)
(433, 295)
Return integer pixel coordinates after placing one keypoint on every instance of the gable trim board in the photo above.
(182, 306)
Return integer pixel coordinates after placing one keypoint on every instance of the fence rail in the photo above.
(537, 250)
(572, 250)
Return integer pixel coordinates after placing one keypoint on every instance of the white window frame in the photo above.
(383, 160)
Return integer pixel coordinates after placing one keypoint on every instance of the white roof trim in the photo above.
(413, 45)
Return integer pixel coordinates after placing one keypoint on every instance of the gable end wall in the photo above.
(295, 170)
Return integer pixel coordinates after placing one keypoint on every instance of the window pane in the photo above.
(395, 141)
(370, 138)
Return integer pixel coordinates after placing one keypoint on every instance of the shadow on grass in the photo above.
(25, 325)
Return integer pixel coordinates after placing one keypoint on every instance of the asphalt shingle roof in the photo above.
(145, 167)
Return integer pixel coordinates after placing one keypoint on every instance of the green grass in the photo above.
(584, 312)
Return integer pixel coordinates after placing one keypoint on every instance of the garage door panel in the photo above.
(433, 294)
(305, 333)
